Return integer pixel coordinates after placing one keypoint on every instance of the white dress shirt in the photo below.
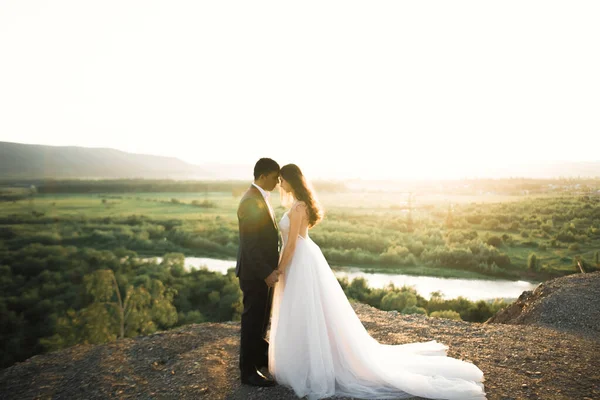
(266, 196)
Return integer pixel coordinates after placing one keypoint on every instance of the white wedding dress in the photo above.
(319, 347)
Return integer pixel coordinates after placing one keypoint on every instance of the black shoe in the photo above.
(264, 371)
(256, 379)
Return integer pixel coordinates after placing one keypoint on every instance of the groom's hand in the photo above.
(272, 279)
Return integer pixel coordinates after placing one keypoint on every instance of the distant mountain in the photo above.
(39, 161)
(19, 160)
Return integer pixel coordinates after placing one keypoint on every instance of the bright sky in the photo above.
(370, 88)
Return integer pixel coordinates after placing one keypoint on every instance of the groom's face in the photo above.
(271, 180)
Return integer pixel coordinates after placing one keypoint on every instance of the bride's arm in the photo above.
(296, 214)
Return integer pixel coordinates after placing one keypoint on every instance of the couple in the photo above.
(317, 345)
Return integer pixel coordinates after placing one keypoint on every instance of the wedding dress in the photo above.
(319, 347)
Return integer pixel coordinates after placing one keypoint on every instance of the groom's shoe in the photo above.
(256, 379)
(264, 371)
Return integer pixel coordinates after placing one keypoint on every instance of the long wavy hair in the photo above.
(302, 191)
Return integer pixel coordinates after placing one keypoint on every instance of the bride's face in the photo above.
(285, 186)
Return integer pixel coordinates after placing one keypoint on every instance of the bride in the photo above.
(319, 347)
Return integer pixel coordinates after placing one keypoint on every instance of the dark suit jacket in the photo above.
(258, 254)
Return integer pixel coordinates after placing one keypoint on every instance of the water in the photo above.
(472, 289)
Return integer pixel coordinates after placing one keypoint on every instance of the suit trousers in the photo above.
(254, 348)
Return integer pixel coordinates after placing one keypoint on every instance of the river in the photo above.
(472, 289)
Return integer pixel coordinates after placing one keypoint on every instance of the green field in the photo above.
(439, 235)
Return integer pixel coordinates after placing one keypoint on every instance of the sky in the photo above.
(374, 89)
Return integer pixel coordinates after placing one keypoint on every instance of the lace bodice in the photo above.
(284, 227)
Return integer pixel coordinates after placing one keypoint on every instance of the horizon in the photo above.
(238, 171)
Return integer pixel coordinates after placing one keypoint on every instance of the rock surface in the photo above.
(200, 362)
(568, 304)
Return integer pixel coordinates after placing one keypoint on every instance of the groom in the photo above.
(256, 268)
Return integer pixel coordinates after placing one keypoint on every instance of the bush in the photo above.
(547, 227)
(191, 317)
(395, 255)
(494, 241)
(358, 289)
(493, 268)
(474, 219)
(502, 260)
(566, 236)
(491, 224)
(452, 257)
(398, 255)
(480, 311)
(447, 314)
(204, 204)
(414, 310)
(398, 301)
(416, 248)
(574, 247)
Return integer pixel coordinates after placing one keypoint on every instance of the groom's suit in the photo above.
(258, 256)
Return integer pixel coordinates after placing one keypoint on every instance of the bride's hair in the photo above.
(302, 191)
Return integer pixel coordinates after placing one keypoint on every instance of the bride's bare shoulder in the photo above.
(299, 207)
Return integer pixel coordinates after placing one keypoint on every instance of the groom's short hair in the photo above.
(265, 166)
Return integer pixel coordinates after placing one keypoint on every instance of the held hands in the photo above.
(272, 279)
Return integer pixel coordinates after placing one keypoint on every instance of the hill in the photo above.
(200, 361)
(32, 161)
(570, 304)
(38, 161)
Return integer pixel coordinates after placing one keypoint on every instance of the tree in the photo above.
(449, 217)
(174, 262)
(532, 263)
(230, 301)
(32, 192)
(109, 316)
(436, 296)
